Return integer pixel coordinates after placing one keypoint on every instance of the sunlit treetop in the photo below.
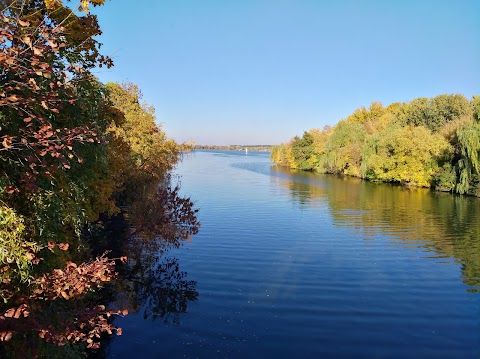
(84, 4)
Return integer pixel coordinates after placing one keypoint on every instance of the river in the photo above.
(289, 264)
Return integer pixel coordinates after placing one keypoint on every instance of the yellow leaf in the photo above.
(65, 295)
(50, 3)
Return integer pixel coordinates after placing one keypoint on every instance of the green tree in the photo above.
(345, 147)
(476, 108)
(303, 152)
(54, 171)
(435, 112)
(468, 166)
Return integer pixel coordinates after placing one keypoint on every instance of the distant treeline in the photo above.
(428, 142)
(253, 148)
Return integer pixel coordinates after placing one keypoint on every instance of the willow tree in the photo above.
(476, 108)
(468, 166)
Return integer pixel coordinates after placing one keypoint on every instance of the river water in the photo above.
(289, 264)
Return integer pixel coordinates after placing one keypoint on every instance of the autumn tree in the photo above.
(428, 142)
(435, 112)
(345, 147)
(408, 155)
(53, 119)
(53, 157)
(152, 153)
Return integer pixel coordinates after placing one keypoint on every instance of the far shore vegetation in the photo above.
(428, 142)
(252, 148)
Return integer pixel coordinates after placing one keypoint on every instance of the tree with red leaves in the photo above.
(68, 153)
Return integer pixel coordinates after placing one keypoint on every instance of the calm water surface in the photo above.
(299, 265)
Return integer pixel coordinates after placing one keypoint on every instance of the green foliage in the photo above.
(345, 147)
(446, 179)
(468, 166)
(476, 108)
(428, 142)
(16, 253)
(434, 113)
(71, 150)
(303, 152)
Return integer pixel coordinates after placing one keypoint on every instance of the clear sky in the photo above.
(262, 71)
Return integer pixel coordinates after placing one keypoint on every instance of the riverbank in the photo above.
(428, 142)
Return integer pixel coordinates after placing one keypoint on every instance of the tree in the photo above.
(427, 142)
(303, 152)
(52, 115)
(345, 147)
(53, 155)
(407, 155)
(434, 113)
(320, 150)
(468, 166)
(476, 108)
(151, 153)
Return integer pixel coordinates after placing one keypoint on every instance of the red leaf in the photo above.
(63, 246)
(10, 189)
(18, 312)
(5, 336)
(51, 246)
(10, 313)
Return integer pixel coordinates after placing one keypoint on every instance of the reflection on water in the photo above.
(447, 225)
(290, 264)
(154, 285)
(151, 286)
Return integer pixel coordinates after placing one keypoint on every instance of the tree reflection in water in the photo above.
(152, 279)
(149, 279)
(153, 282)
(441, 223)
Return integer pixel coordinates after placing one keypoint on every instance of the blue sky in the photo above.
(260, 72)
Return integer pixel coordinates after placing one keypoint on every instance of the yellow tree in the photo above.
(408, 155)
